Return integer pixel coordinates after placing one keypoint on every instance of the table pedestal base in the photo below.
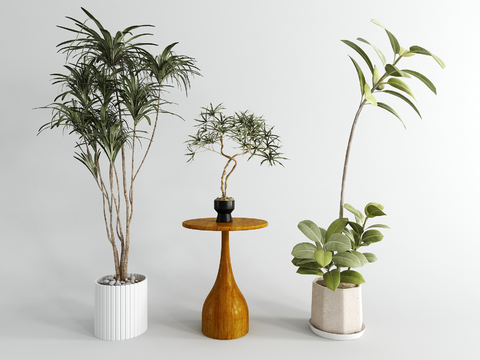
(225, 311)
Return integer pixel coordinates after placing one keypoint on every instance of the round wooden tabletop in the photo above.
(237, 224)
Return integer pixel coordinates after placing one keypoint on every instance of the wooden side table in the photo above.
(225, 311)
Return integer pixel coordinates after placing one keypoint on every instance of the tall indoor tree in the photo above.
(112, 86)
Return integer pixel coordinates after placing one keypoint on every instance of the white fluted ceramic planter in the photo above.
(121, 312)
(336, 314)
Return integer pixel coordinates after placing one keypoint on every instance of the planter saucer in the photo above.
(333, 336)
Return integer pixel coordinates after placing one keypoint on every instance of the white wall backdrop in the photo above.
(283, 60)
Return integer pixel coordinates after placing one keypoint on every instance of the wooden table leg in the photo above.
(225, 311)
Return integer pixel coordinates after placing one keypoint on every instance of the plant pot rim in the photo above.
(142, 277)
(317, 281)
(333, 336)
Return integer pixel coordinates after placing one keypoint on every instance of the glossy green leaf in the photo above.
(304, 251)
(423, 79)
(399, 84)
(368, 95)
(390, 110)
(323, 257)
(305, 271)
(393, 40)
(332, 279)
(351, 277)
(376, 77)
(377, 50)
(357, 227)
(359, 217)
(362, 53)
(423, 51)
(373, 209)
(338, 242)
(370, 257)
(378, 226)
(336, 226)
(372, 236)
(346, 259)
(394, 71)
(404, 98)
(361, 77)
(311, 266)
(312, 231)
(300, 262)
(363, 260)
(349, 234)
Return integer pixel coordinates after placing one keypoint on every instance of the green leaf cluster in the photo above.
(249, 133)
(392, 78)
(338, 246)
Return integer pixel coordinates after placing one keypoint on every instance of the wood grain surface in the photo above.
(236, 225)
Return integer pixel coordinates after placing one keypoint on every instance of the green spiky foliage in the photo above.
(337, 247)
(248, 132)
(112, 92)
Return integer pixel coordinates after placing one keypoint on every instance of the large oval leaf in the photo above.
(374, 209)
(332, 279)
(346, 259)
(300, 262)
(304, 251)
(351, 277)
(359, 217)
(363, 260)
(423, 79)
(370, 257)
(336, 226)
(323, 257)
(312, 231)
(372, 236)
(338, 242)
(305, 271)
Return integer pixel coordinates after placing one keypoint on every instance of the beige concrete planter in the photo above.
(336, 314)
(121, 312)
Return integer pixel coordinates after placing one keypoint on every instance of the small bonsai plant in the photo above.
(111, 87)
(337, 247)
(248, 132)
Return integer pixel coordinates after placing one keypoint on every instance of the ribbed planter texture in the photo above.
(337, 312)
(121, 312)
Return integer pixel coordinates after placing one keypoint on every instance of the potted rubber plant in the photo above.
(246, 132)
(111, 97)
(335, 251)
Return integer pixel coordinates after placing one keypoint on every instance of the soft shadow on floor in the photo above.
(182, 321)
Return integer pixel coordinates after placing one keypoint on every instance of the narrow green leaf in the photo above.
(312, 231)
(368, 95)
(370, 257)
(404, 98)
(394, 71)
(351, 277)
(399, 84)
(372, 236)
(338, 242)
(346, 259)
(362, 53)
(323, 257)
(336, 226)
(361, 77)
(393, 41)
(423, 51)
(423, 79)
(359, 217)
(305, 271)
(332, 279)
(377, 50)
(304, 251)
(389, 109)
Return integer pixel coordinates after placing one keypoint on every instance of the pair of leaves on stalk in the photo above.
(338, 246)
(391, 70)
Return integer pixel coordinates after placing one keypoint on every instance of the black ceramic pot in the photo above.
(224, 210)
